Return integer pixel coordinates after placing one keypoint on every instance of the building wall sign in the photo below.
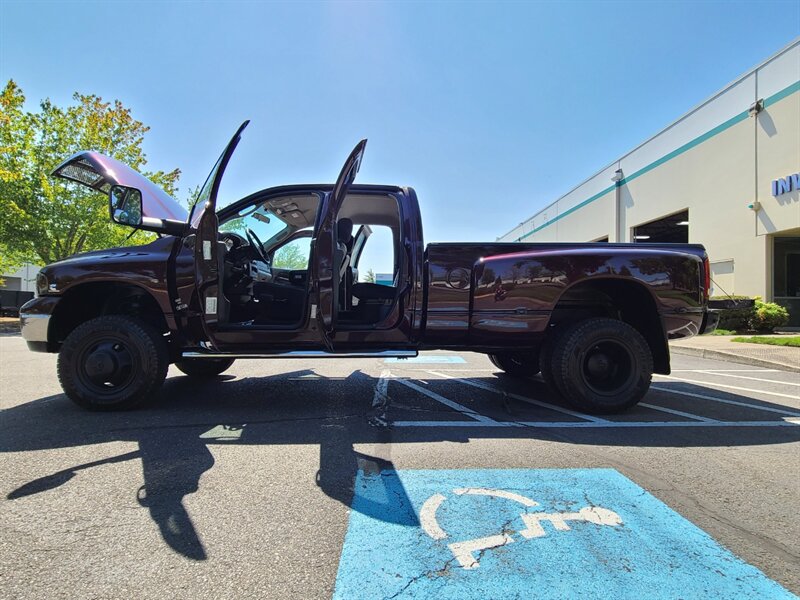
(786, 184)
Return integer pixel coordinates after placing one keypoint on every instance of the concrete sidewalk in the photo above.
(721, 347)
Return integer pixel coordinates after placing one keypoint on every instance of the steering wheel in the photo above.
(256, 243)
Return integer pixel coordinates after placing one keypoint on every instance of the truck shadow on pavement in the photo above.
(301, 407)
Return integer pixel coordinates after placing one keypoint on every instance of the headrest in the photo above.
(344, 230)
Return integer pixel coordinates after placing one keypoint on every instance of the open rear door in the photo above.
(207, 252)
(326, 273)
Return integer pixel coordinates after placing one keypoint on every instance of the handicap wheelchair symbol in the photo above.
(468, 552)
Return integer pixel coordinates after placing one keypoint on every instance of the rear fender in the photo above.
(521, 295)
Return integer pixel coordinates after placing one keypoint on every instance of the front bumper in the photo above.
(34, 327)
(34, 321)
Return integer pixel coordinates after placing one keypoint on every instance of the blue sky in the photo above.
(490, 110)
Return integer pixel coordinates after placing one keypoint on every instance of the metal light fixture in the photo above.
(617, 176)
(756, 107)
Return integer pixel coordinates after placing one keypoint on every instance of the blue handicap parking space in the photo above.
(530, 533)
(426, 359)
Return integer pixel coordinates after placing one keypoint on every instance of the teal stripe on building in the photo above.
(778, 96)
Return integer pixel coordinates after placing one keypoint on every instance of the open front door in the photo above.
(326, 273)
(208, 255)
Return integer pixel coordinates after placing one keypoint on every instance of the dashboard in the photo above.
(246, 272)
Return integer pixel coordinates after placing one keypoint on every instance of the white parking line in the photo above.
(380, 398)
(589, 421)
(779, 411)
(731, 387)
(728, 370)
(456, 370)
(679, 413)
(594, 425)
(546, 405)
(449, 403)
(712, 372)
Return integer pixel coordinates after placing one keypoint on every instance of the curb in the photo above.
(731, 357)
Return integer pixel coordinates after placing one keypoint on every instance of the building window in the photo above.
(672, 229)
(786, 276)
(12, 284)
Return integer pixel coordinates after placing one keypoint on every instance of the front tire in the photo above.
(602, 366)
(516, 364)
(112, 362)
(204, 367)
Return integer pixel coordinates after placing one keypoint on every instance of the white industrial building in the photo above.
(20, 280)
(725, 175)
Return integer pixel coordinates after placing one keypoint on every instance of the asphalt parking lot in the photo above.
(287, 478)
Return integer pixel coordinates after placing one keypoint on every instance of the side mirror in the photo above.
(125, 205)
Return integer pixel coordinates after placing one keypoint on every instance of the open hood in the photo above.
(99, 172)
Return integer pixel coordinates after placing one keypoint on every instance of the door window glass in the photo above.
(293, 256)
(377, 263)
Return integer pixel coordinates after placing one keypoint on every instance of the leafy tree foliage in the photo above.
(43, 218)
(370, 276)
(290, 256)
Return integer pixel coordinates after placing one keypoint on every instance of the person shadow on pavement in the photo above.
(172, 470)
(176, 454)
(171, 467)
(173, 439)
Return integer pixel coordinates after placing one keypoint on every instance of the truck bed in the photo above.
(472, 289)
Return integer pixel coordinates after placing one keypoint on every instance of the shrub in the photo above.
(735, 319)
(766, 316)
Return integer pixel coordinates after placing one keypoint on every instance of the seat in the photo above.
(341, 257)
(344, 242)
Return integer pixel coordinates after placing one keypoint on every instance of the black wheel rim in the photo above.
(607, 367)
(107, 366)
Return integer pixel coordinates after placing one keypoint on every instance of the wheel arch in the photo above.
(624, 299)
(98, 298)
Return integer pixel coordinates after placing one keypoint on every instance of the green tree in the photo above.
(8, 263)
(370, 276)
(42, 218)
(291, 256)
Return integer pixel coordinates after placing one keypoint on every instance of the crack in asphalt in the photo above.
(446, 568)
(343, 417)
(767, 542)
(431, 573)
(249, 422)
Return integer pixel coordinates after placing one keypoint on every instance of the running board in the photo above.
(307, 354)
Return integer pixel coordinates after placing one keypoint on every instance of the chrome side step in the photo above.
(307, 354)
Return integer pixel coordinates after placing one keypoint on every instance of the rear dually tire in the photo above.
(602, 366)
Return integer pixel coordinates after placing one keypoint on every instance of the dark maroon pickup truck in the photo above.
(593, 319)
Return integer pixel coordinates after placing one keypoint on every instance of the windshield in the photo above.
(268, 227)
